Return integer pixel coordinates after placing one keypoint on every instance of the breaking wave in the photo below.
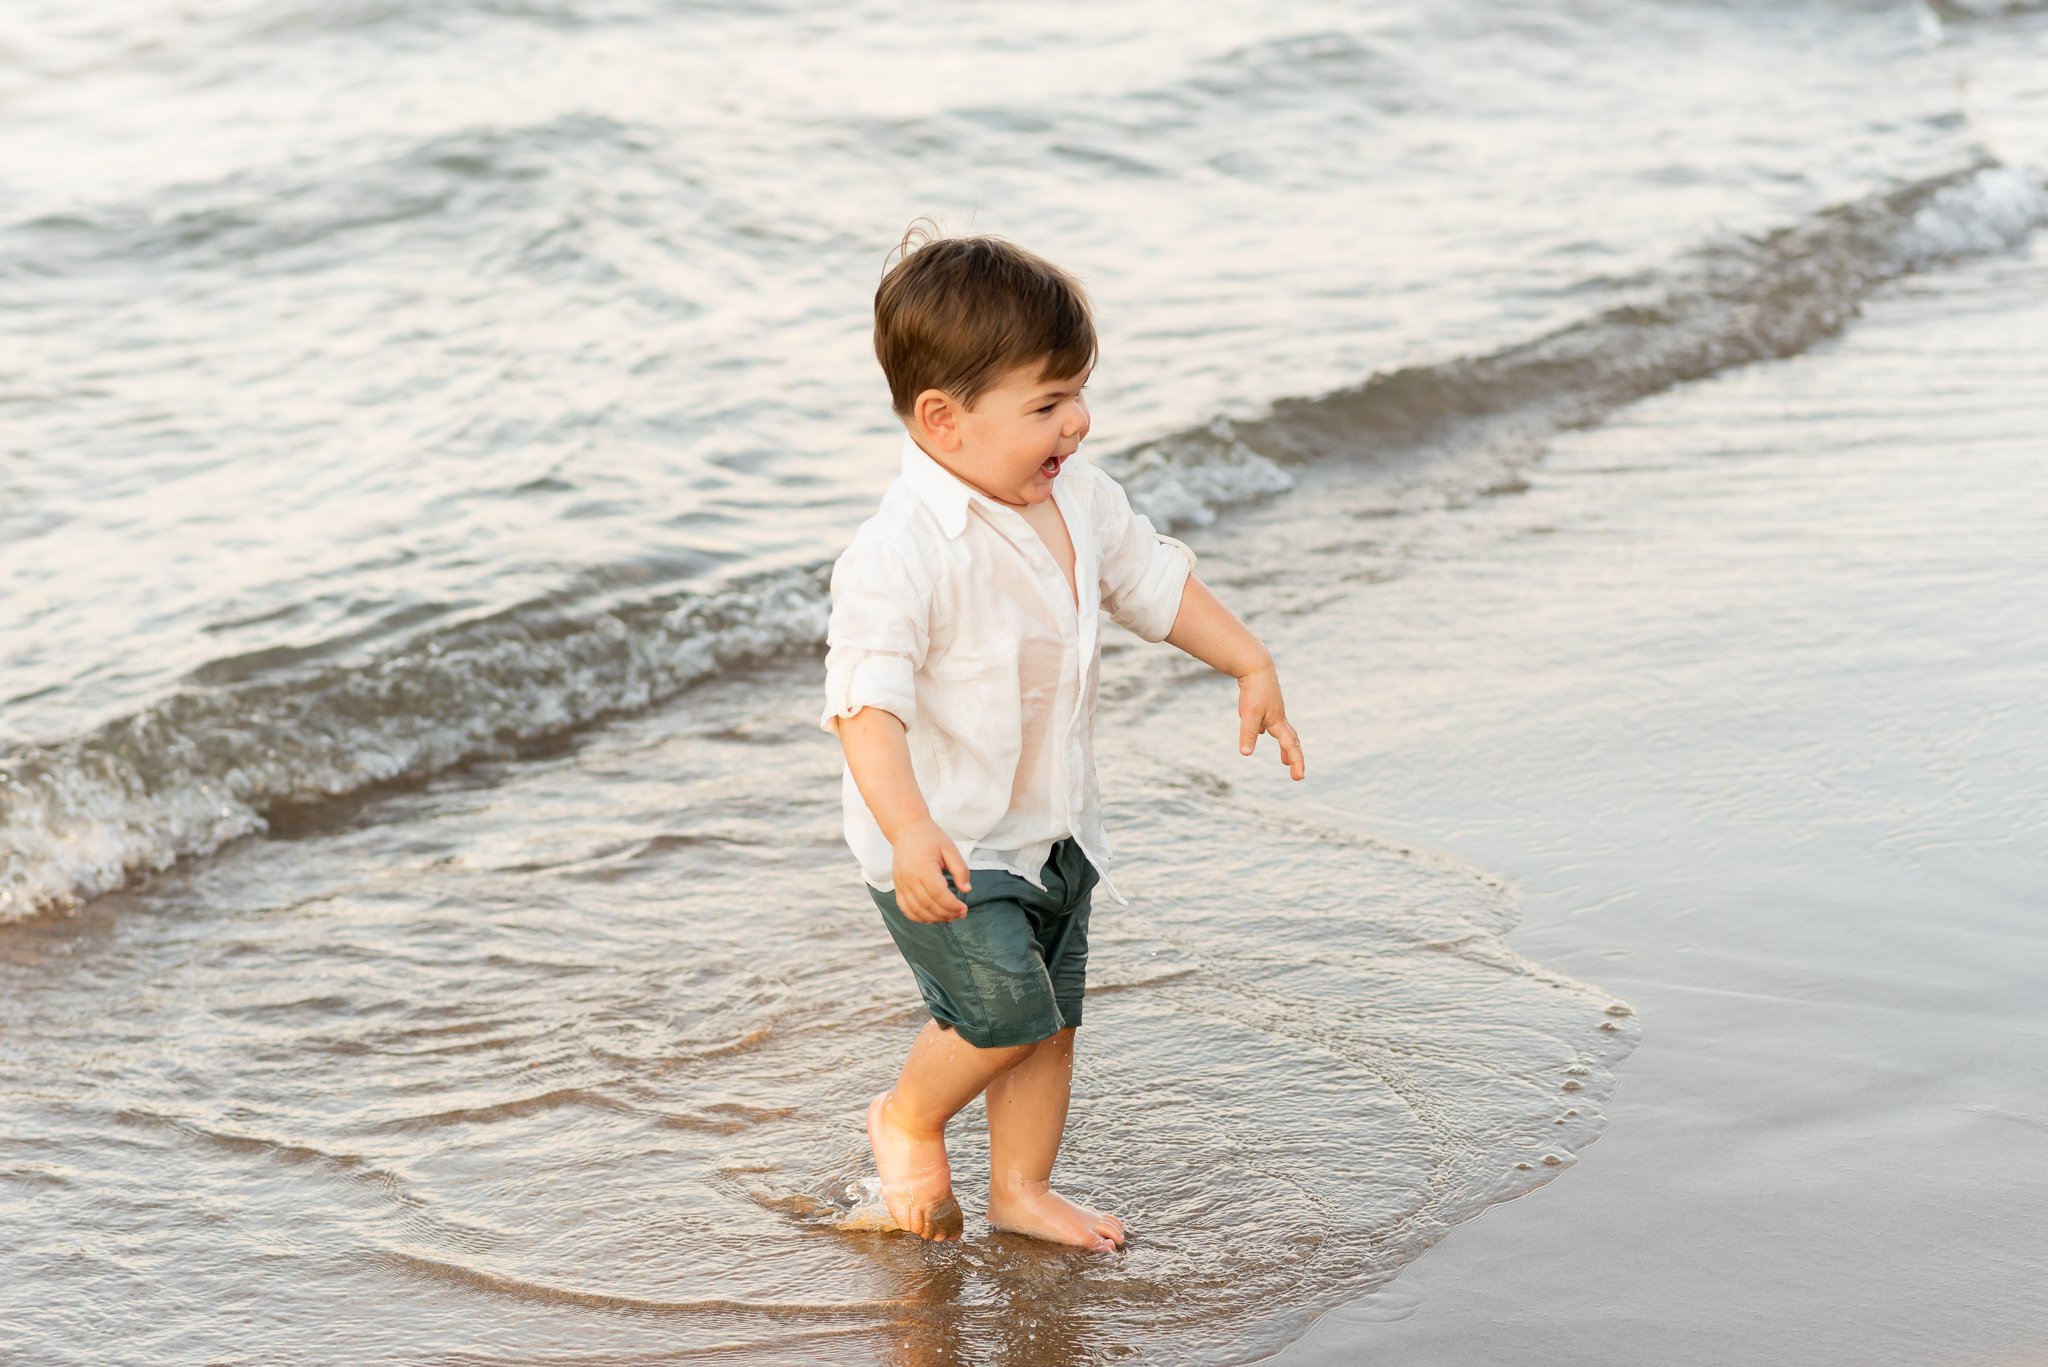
(247, 738)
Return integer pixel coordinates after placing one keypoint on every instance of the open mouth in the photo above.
(1051, 466)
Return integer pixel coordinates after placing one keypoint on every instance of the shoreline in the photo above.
(1771, 791)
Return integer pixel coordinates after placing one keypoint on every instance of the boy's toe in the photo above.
(946, 1220)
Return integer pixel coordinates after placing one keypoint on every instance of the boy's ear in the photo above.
(936, 418)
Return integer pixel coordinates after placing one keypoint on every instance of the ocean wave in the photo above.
(296, 20)
(206, 765)
(454, 183)
(232, 750)
(1965, 11)
(1728, 304)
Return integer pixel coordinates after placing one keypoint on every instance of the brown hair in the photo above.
(956, 312)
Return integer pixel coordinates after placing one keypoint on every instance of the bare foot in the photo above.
(1039, 1211)
(917, 1183)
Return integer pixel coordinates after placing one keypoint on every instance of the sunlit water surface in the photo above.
(389, 410)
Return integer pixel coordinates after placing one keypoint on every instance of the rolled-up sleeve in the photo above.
(1144, 571)
(877, 634)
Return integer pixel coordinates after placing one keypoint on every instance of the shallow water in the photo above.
(444, 490)
(595, 1030)
(1769, 768)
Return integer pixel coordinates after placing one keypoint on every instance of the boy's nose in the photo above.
(1075, 424)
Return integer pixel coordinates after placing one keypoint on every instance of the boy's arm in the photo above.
(1210, 632)
(877, 635)
(1147, 575)
(878, 757)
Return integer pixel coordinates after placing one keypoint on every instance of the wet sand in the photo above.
(1747, 697)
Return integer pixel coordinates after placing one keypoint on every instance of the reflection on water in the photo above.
(569, 1056)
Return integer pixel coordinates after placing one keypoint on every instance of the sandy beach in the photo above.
(1773, 768)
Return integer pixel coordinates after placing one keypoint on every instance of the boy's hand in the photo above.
(924, 854)
(1259, 708)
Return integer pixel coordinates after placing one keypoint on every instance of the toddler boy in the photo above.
(961, 681)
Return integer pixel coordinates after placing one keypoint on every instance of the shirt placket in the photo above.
(1080, 613)
(1076, 626)
(1087, 625)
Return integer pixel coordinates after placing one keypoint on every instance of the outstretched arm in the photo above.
(1210, 632)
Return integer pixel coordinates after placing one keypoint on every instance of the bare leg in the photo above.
(1027, 1114)
(907, 1126)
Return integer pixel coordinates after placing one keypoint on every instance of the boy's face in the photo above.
(1011, 443)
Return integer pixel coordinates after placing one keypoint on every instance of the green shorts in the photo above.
(1012, 970)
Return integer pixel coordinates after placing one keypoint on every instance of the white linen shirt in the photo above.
(949, 611)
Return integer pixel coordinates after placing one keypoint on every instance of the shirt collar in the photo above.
(944, 492)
